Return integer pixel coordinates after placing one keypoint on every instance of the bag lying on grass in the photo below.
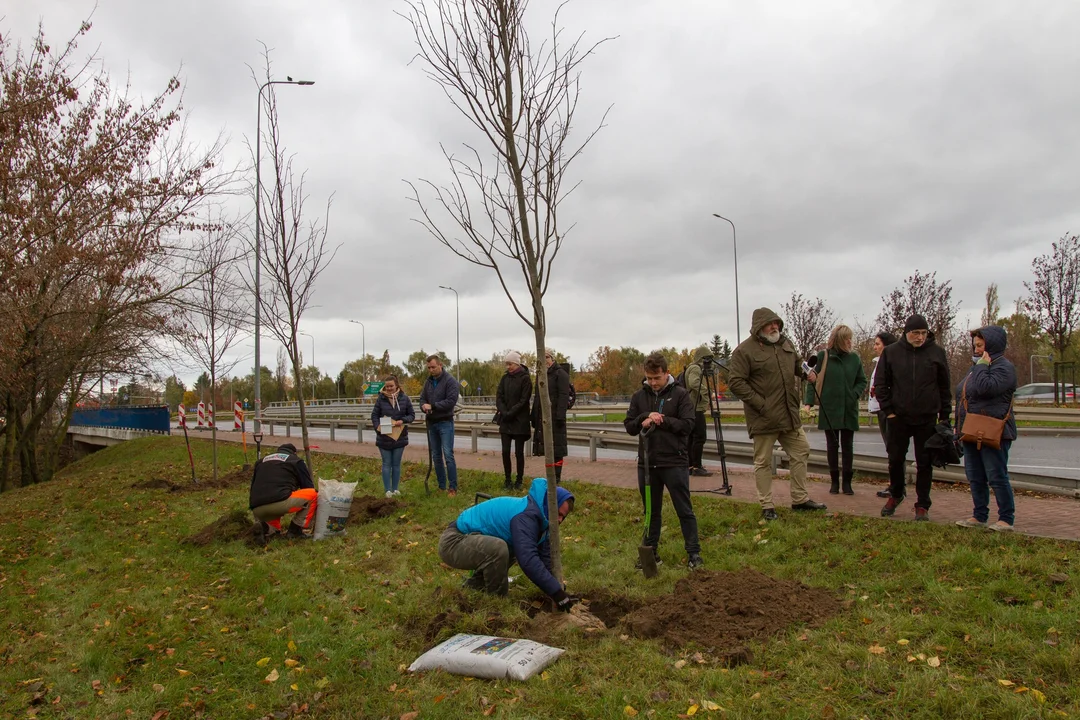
(484, 656)
(335, 499)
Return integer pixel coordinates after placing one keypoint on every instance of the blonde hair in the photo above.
(841, 335)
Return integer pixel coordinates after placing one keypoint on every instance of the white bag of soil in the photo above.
(332, 510)
(484, 656)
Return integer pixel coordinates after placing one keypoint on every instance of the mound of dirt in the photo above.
(720, 612)
(238, 476)
(236, 525)
(366, 508)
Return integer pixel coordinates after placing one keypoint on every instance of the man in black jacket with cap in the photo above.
(912, 385)
(281, 484)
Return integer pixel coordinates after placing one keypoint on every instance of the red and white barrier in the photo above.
(237, 416)
(202, 415)
(181, 416)
(210, 416)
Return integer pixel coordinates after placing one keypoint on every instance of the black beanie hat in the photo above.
(915, 322)
(287, 447)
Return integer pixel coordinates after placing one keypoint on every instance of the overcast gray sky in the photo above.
(851, 144)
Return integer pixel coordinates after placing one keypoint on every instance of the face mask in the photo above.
(976, 358)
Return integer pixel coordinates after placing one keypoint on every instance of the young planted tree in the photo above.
(1054, 295)
(215, 308)
(808, 323)
(500, 210)
(294, 253)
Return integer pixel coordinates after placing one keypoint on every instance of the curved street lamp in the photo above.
(363, 351)
(258, 241)
(735, 250)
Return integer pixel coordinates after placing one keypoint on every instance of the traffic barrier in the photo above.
(181, 416)
(202, 415)
(210, 416)
(238, 416)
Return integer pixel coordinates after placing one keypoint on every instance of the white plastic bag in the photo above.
(484, 656)
(332, 510)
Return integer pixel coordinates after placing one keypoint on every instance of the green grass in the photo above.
(105, 610)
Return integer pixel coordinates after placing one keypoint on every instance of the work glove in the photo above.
(563, 602)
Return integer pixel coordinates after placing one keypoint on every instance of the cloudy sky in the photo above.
(851, 143)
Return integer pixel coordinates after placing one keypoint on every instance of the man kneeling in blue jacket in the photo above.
(488, 537)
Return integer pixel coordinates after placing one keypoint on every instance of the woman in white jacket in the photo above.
(881, 340)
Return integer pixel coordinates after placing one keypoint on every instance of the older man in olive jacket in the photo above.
(764, 373)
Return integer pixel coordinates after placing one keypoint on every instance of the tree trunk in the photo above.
(294, 356)
(213, 428)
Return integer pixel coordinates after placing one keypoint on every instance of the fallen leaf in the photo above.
(321, 683)
(1039, 696)
(158, 688)
(1020, 689)
(410, 715)
(289, 662)
(264, 662)
(183, 672)
(876, 649)
(1006, 683)
(490, 711)
(902, 641)
(934, 661)
(292, 646)
(392, 688)
(224, 629)
(911, 658)
(755, 696)
(273, 676)
(545, 676)
(680, 664)
(160, 715)
(294, 687)
(629, 711)
(710, 705)
(692, 710)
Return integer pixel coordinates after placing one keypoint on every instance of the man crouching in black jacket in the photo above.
(665, 412)
(281, 484)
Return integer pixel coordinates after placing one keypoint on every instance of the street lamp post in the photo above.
(457, 314)
(258, 241)
(363, 353)
(735, 251)
(313, 365)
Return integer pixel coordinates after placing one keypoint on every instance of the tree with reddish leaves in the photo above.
(96, 193)
(1054, 295)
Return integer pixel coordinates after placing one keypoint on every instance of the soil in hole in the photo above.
(366, 508)
(231, 479)
(236, 525)
(720, 612)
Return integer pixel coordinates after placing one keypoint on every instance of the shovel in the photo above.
(646, 553)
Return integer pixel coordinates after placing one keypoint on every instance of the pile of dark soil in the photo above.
(720, 612)
(234, 478)
(366, 508)
(236, 525)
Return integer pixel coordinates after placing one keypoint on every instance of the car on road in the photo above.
(1043, 393)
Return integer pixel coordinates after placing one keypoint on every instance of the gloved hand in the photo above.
(563, 602)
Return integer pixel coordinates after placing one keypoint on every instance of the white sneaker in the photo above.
(970, 522)
(389, 493)
(397, 493)
(1001, 526)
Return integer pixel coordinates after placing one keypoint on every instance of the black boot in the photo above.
(296, 532)
(518, 484)
(834, 489)
(506, 483)
(847, 486)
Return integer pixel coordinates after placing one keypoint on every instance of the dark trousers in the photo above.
(899, 434)
(677, 482)
(883, 426)
(519, 455)
(695, 443)
(835, 441)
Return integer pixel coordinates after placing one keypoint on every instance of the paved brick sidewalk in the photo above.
(1052, 516)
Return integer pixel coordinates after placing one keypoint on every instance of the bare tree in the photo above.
(215, 307)
(295, 251)
(921, 294)
(807, 322)
(500, 209)
(990, 312)
(1054, 295)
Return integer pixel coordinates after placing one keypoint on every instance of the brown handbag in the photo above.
(981, 429)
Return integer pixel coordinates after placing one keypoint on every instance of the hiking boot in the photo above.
(694, 562)
(890, 506)
(884, 493)
(296, 532)
(971, 522)
(922, 515)
(656, 558)
(700, 472)
(1001, 526)
(260, 531)
(769, 514)
(473, 582)
(809, 504)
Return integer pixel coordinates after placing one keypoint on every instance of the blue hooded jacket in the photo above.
(990, 387)
(522, 523)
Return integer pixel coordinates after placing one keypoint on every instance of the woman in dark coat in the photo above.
(988, 390)
(558, 386)
(512, 406)
(840, 384)
(392, 403)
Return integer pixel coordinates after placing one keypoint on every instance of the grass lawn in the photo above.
(106, 614)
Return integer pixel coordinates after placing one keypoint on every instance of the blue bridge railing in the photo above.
(151, 418)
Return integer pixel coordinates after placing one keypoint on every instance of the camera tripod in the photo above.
(708, 373)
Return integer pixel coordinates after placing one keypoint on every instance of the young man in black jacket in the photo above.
(281, 484)
(662, 415)
(912, 385)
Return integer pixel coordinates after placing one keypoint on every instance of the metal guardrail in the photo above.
(740, 452)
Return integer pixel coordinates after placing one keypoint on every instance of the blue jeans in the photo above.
(440, 437)
(391, 468)
(988, 469)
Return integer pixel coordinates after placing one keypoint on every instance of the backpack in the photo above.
(680, 379)
(572, 395)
